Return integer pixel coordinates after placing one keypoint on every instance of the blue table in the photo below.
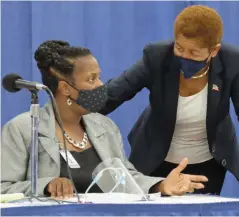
(215, 209)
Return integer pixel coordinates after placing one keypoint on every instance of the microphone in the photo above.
(14, 83)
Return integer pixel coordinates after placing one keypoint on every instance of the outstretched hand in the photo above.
(177, 183)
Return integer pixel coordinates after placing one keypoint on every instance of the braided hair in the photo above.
(56, 55)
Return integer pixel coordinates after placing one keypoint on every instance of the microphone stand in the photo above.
(35, 119)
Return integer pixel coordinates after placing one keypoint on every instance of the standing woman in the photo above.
(191, 81)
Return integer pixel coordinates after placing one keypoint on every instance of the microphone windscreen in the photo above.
(8, 82)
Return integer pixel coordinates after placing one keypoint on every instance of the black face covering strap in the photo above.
(92, 100)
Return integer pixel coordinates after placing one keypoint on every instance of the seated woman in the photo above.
(73, 75)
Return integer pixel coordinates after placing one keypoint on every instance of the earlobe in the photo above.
(65, 91)
(63, 87)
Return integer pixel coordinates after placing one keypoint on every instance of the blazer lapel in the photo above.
(164, 108)
(215, 86)
(171, 90)
(47, 133)
(97, 136)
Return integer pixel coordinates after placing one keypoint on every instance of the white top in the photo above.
(190, 134)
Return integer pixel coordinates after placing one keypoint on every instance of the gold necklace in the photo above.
(199, 76)
(80, 145)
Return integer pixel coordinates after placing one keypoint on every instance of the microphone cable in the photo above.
(59, 121)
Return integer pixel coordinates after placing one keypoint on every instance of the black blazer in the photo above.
(159, 71)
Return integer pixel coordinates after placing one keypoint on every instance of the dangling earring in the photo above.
(69, 102)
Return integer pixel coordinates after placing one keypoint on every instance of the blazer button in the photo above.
(224, 162)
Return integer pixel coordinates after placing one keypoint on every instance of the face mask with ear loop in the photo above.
(191, 67)
(92, 100)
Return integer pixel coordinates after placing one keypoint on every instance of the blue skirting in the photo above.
(212, 209)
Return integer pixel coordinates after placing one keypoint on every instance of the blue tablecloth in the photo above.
(213, 209)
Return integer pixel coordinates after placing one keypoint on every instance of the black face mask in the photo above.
(92, 100)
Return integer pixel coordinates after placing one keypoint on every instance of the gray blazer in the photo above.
(103, 133)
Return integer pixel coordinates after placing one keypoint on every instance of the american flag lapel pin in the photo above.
(215, 87)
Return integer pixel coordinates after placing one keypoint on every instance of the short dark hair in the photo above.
(57, 55)
(200, 22)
